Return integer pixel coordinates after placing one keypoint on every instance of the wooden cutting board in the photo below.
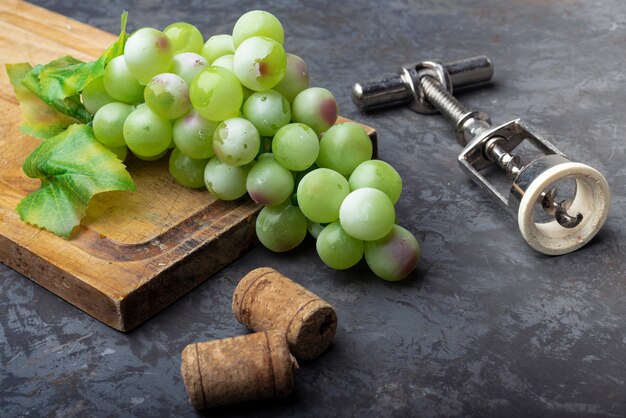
(134, 253)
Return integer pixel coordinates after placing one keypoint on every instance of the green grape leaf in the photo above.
(65, 76)
(40, 120)
(60, 82)
(69, 105)
(117, 48)
(73, 166)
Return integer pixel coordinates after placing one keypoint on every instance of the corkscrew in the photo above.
(559, 204)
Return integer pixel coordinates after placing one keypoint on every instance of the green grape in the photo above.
(120, 152)
(260, 63)
(394, 256)
(187, 66)
(265, 155)
(320, 193)
(167, 95)
(108, 124)
(120, 84)
(268, 182)
(146, 133)
(281, 228)
(225, 61)
(343, 147)
(315, 228)
(337, 249)
(296, 78)
(152, 157)
(268, 110)
(216, 46)
(193, 135)
(315, 107)
(367, 214)
(94, 95)
(184, 37)
(187, 171)
(236, 141)
(379, 175)
(216, 94)
(257, 23)
(295, 146)
(224, 181)
(148, 52)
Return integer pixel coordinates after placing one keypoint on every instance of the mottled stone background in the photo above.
(485, 327)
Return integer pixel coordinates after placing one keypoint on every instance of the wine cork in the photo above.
(244, 368)
(265, 299)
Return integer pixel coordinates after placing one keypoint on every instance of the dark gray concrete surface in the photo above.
(486, 326)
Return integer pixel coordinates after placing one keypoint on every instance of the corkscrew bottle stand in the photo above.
(549, 225)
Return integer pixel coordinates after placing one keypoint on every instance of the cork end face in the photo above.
(315, 333)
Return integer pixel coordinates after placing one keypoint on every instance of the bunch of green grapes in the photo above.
(236, 115)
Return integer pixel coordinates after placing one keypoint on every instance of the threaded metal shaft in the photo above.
(454, 111)
(439, 97)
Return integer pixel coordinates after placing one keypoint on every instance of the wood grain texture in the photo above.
(134, 252)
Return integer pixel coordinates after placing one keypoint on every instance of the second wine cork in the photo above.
(266, 299)
(230, 370)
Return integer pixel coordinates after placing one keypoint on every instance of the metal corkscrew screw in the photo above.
(549, 225)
